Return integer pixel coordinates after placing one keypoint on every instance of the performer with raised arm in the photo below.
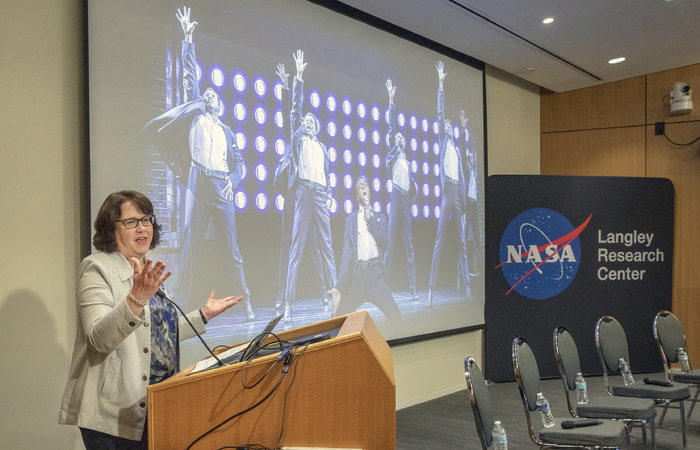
(403, 194)
(309, 181)
(470, 216)
(202, 153)
(454, 194)
(362, 278)
(282, 183)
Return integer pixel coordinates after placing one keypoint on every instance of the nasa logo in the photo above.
(540, 253)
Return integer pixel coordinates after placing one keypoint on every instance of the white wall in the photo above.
(41, 138)
(513, 124)
(41, 198)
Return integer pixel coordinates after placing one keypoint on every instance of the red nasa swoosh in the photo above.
(565, 240)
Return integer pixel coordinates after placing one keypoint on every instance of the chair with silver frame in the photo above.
(670, 337)
(480, 400)
(627, 410)
(607, 434)
(611, 343)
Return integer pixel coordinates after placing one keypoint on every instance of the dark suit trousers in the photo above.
(286, 243)
(450, 205)
(400, 222)
(205, 201)
(369, 286)
(311, 220)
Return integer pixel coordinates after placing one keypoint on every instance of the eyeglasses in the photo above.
(133, 223)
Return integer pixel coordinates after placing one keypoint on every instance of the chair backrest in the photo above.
(480, 400)
(669, 336)
(526, 373)
(611, 343)
(566, 354)
(528, 377)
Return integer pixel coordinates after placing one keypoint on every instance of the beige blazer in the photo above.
(110, 367)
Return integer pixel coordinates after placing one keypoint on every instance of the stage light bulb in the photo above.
(239, 82)
(261, 144)
(217, 77)
(331, 104)
(315, 99)
(260, 116)
(260, 87)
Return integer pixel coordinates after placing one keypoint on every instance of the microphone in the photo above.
(570, 424)
(657, 382)
(161, 293)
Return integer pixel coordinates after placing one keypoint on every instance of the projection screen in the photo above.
(257, 197)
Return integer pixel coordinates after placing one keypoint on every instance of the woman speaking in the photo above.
(127, 336)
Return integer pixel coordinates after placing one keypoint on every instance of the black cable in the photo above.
(284, 405)
(258, 341)
(261, 378)
(681, 145)
(240, 413)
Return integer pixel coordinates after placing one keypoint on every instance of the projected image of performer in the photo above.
(201, 151)
(362, 278)
(309, 181)
(470, 217)
(402, 196)
(282, 183)
(454, 194)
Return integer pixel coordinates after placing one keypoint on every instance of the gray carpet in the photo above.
(448, 422)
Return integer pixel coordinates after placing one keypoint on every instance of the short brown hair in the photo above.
(111, 211)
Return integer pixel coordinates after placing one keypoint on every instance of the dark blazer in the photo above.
(281, 181)
(300, 131)
(442, 142)
(378, 228)
(169, 132)
(395, 152)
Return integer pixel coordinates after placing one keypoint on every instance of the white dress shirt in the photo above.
(366, 245)
(208, 142)
(311, 161)
(400, 175)
(451, 161)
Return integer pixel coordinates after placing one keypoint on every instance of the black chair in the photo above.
(480, 400)
(608, 434)
(670, 337)
(611, 342)
(625, 409)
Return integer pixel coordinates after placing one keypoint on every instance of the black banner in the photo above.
(565, 251)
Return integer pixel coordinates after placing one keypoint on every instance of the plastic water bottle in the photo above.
(545, 411)
(581, 391)
(626, 373)
(683, 359)
(499, 441)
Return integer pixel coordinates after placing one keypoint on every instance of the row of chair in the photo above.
(623, 407)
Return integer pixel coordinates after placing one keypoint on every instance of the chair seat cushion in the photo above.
(641, 390)
(607, 434)
(692, 377)
(610, 407)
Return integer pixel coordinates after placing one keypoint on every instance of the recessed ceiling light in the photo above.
(616, 60)
(548, 20)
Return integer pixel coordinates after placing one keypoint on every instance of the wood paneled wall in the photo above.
(608, 130)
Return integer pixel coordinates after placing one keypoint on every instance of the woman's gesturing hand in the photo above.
(214, 307)
(147, 278)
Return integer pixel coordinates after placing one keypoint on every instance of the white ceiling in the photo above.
(653, 35)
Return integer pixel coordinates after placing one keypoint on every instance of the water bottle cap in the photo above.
(498, 422)
(579, 374)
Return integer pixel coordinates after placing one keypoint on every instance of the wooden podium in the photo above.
(344, 395)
